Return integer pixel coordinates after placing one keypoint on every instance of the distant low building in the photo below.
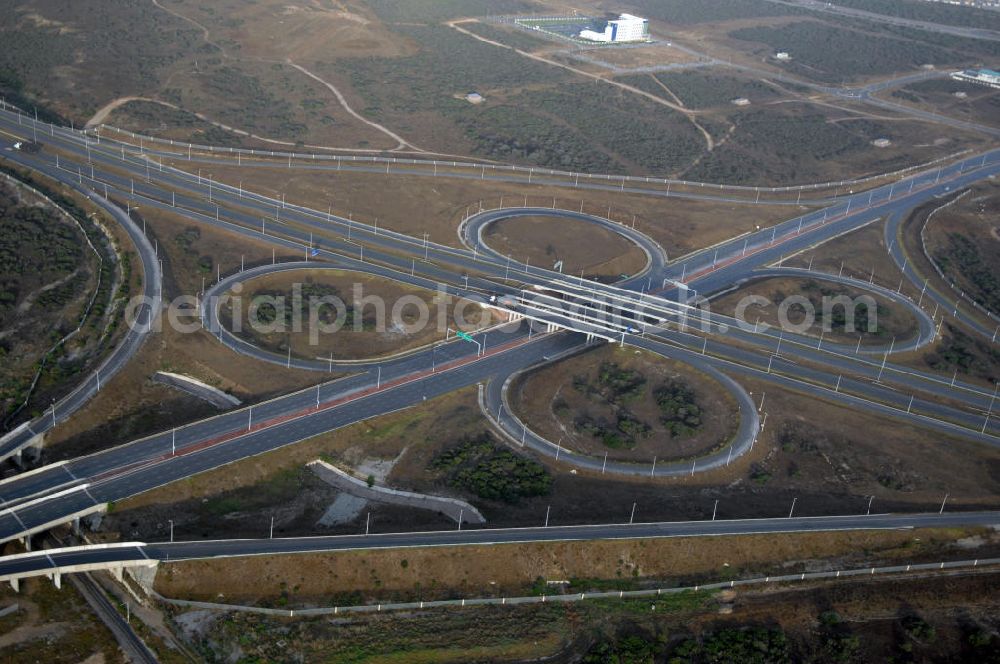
(881, 142)
(741, 101)
(987, 77)
(474, 98)
(782, 55)
(626, 28)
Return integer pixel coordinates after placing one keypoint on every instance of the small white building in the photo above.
(626, 28)
(782, 55)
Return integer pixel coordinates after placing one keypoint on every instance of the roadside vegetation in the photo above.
(931, 12)
(681, 12)
(700, 90)
(834, 54)
(83, 42)
(491, 472)
(965, 354)
(51, 282)
(680, 414)
(963, 258)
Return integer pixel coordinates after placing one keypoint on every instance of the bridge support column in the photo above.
(117, 572)
(32, 450)
(16, 585)
(76, 526)
(56, 579)
(26, 541)
(549, 327)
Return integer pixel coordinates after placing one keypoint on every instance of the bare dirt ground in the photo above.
(580, 246)
(679, 225)
(549, 401)
(370, 329)
(505, 570)
(892, 321)
(53, 626)
(654, 55)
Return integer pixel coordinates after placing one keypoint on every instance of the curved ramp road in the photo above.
(37, 500)
(471, 233)
(950, 304)
(396, 364)
(145, 317)
(498, 409)
(157, 460)
(926, 330)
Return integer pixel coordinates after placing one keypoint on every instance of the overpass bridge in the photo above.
(53, 563)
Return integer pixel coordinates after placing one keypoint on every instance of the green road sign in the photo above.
(464, 335)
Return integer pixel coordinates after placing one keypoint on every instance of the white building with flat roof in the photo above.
(626, 28)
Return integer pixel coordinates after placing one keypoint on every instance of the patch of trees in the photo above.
(36, 247)
(254, 106)
(770, 146)
(617, 387)
(834, 54)
(681, 414)
(962, 258)
(930, 12)
(700, 89)
(491, 472)
(960, 352)
(759, 645)
(587, 126)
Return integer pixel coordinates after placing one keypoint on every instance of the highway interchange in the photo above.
(642, 310)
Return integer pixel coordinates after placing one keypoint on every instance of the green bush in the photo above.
(492, 472)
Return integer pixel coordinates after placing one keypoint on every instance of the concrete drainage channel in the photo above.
(919, 569)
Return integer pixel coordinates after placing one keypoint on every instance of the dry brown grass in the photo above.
(893, 321)
(861, 254)
(581, 246)
(813, 446)
(510, 569)
(414, 431)
(393, 335)
(535, 396)
(417, 204)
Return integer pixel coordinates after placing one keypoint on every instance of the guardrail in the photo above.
(651, 593)
(530, 171)
(937, 268)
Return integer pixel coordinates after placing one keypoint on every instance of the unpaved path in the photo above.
(402, 142)
(680, 108)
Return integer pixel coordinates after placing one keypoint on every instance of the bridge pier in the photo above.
(26, 541)
(33, 450)
(76, 526)
(117, 572)
(56, 579)
(16, 585)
